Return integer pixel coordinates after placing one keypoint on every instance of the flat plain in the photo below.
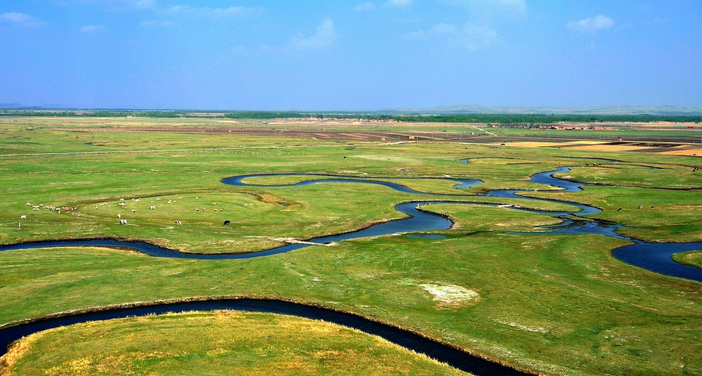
(553, 304)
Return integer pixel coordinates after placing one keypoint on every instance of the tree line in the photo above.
(411, 118)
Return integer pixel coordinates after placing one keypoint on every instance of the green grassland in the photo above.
(649, 210)
(216, 343)
(553, 304)
(693, 258)
(670, 176)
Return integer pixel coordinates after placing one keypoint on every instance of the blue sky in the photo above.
(351, 55)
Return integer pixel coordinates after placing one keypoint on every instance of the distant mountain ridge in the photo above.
(611, 110)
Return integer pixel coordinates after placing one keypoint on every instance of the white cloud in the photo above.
(156, 23)
(145, 3)
(504, 7)
(207, 12)
(471, 37)
(592, 25)
(136, 4)
(20, 19)
(364, 6)
(91, 29)
(324, 37)
(511, 3)
(398, 3)
(116, 5)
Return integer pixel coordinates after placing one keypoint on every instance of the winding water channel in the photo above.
(655, 257)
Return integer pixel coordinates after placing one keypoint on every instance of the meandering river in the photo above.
(655, 257)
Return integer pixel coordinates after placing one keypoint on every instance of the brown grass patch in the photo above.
(16, 351)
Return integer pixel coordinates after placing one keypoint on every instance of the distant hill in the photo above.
(10, 105)
(613, 110)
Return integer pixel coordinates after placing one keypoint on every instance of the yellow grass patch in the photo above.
(683, 152)
(536, 144)
(609, 148)
(16, 351)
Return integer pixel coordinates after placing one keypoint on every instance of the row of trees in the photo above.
(417, 118)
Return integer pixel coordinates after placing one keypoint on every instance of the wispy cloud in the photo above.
(116, 5)
(156, 23)
(364, 6)
(324, 37)
(20, 19)
(470, 36)
(626, 26)
(398, 3)
(93, 29)
(590, 26)
(483, 7)
(207, 12)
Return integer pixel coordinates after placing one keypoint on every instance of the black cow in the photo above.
(226, 223)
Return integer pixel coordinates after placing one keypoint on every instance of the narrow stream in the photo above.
(401, 337)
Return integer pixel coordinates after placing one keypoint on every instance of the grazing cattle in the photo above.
(197, 209)
(122, 221)
(620, 209)
(119, 215)
(133, 210)
(226, 223)
(23, 217)
(178, 223)
(152, 207)
(640, 207)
